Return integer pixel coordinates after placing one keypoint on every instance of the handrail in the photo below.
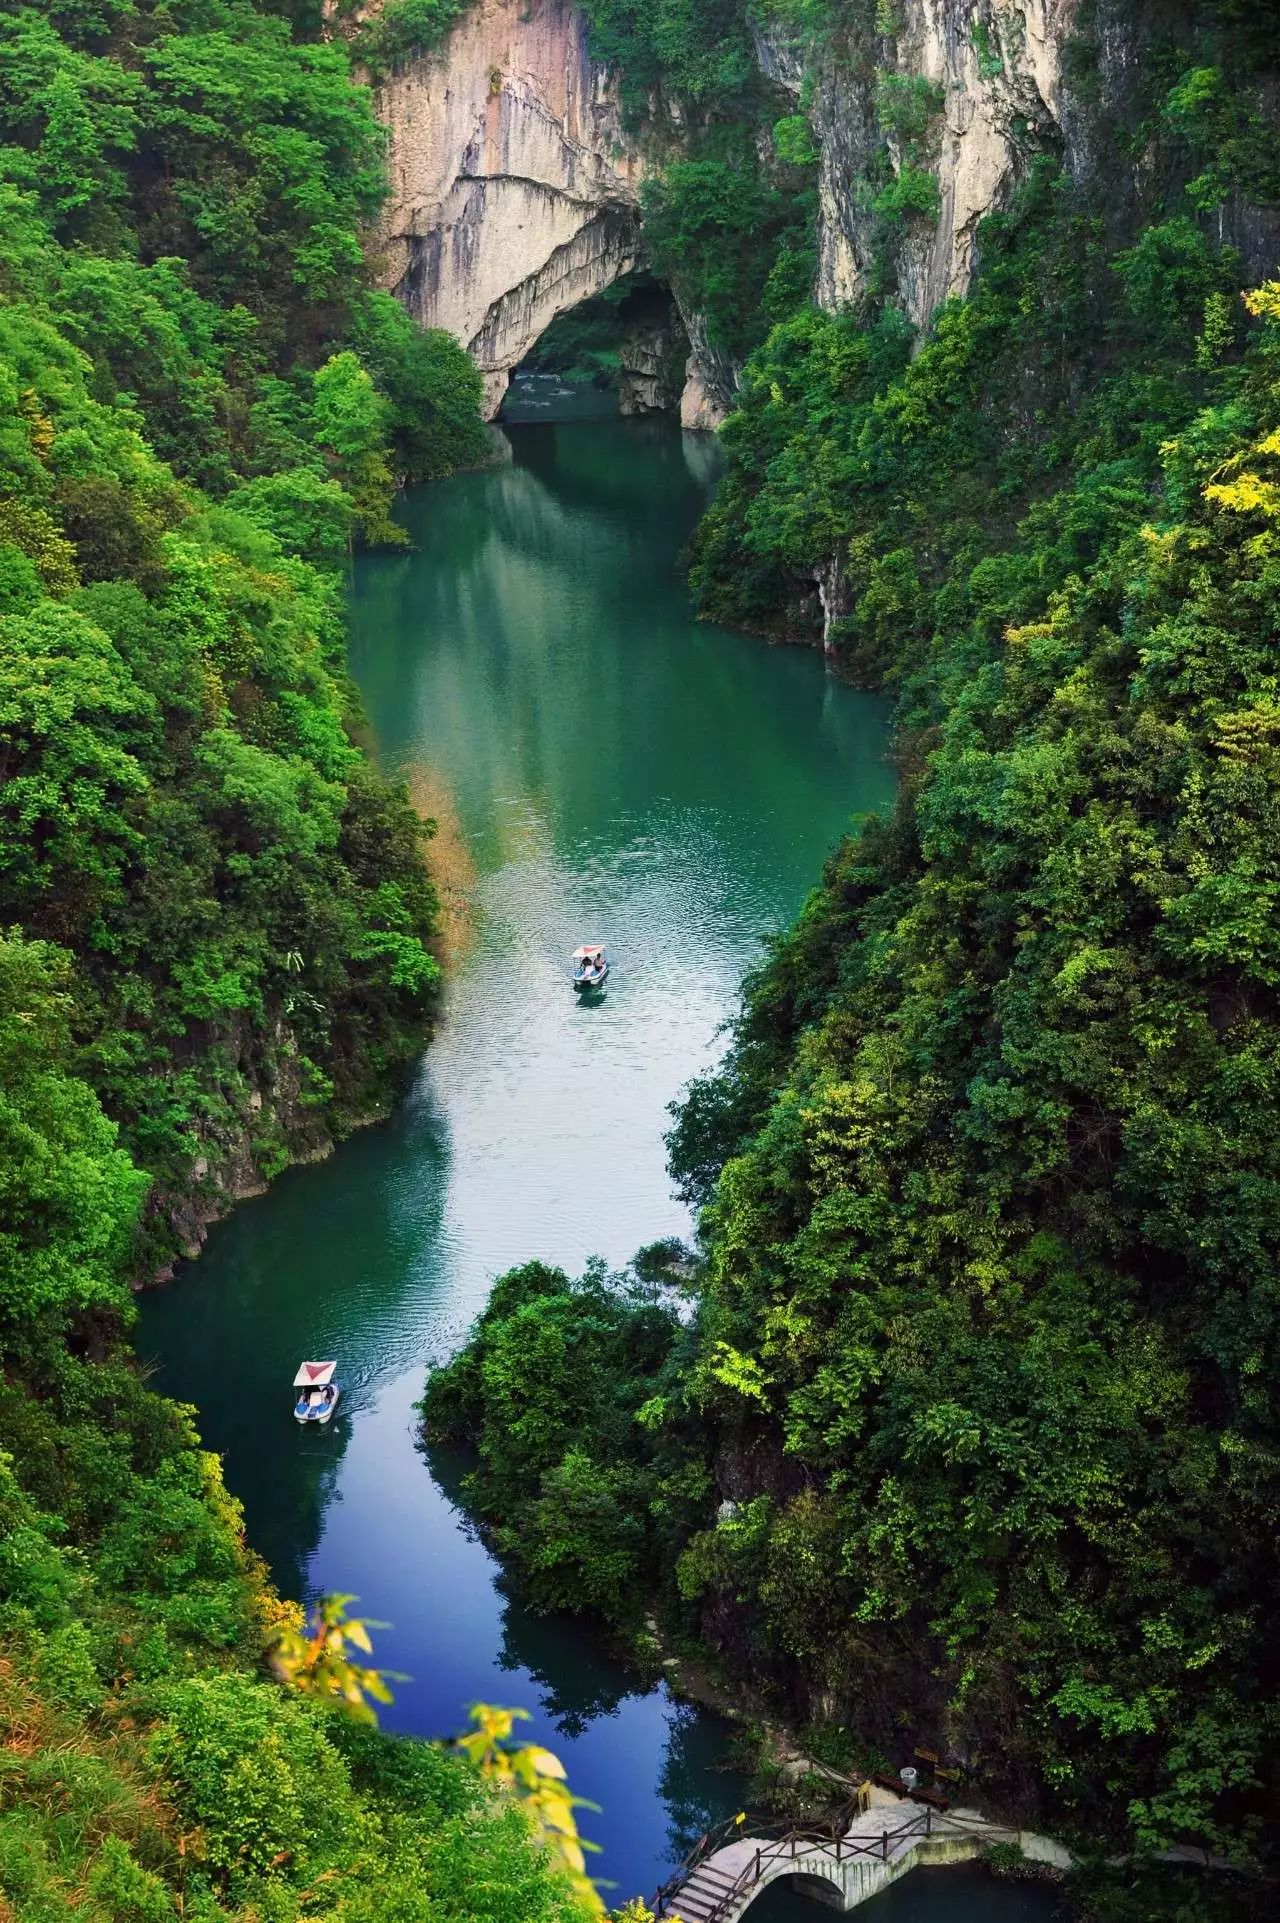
(828, 1839)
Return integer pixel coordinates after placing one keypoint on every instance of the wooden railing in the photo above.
(799, 1841)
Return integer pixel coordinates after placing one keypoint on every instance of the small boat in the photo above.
(590, 965)
(317, 1392)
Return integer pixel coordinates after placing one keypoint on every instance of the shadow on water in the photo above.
(963, 1893)
(576, 1680)
(612, 769)
(233, 1322)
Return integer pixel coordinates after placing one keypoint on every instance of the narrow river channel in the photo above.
(603, 767)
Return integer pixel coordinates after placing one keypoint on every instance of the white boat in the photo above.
(318, 1393)
(590, 965)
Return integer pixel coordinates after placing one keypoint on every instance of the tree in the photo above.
(69, 1195)
(350, 420)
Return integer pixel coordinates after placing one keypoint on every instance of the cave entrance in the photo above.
(619, 352)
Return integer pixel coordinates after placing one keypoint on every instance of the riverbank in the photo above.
(541, 608)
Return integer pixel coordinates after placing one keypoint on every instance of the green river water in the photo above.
(606, 768)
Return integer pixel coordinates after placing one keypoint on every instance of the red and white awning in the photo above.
(314, 1375)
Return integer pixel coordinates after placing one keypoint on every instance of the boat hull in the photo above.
(312, 1417)
(584, 983)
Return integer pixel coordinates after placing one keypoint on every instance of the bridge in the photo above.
(842, 1863)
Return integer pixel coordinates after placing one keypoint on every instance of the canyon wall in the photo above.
(997, 69)
(515, 191)
(515, 184)
(514, 187)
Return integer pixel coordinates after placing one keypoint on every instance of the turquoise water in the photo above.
(605, 767)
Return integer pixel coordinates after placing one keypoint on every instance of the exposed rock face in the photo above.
(514, 187)
(998, 67)
(515, 193)
(267, 1122)
(711, 380)
(654, 354)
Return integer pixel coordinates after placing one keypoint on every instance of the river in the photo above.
(603, 767)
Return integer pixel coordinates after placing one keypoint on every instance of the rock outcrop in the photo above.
(515, 184)
(653, 357)
(515, 194)
(997, 69)
(514, 189)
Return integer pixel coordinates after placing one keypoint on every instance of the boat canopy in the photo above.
(314, 1375)
(589, 951)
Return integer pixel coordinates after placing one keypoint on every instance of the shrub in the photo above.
(256, 1771)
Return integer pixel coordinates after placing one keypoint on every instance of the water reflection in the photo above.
(613, 769)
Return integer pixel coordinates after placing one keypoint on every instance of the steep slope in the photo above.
(519, 149)
(972, 1445)
(214, 920)
(514, 187)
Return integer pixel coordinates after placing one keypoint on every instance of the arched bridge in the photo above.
(842, 1863)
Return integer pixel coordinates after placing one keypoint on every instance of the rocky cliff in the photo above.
(994, 70)
(515, 191)
(515, 183)
(514, 187)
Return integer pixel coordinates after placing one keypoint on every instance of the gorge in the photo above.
(516, 173)
(612, 766)
(331, 717)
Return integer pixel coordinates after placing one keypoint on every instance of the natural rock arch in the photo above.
(514, 185)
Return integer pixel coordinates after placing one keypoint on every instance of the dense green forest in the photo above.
(963, 1428)
(215, 932)
(968, 1433)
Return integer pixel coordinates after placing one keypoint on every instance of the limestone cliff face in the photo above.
(653, 356)
(997, 66)
(514, 188)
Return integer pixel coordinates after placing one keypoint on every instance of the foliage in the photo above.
(984, 1346)
(204, 407)
(912, 191)
(402, 30)
(69, 1196)
(907, 105)
(152, 1769)
(318, 1661)
(207, 897)
(1156, 1893)
(979, 1118)
(698, 51)
(536, 1779)
(715, 226)
(551, 1389)
(432, 387)
(728, 219)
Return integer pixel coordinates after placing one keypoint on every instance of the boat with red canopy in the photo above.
(590, 965)
(317, 1392)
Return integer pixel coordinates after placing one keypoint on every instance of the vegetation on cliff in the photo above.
(206, 404)
(983, 1355)
(213, 929)
(729, 211)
